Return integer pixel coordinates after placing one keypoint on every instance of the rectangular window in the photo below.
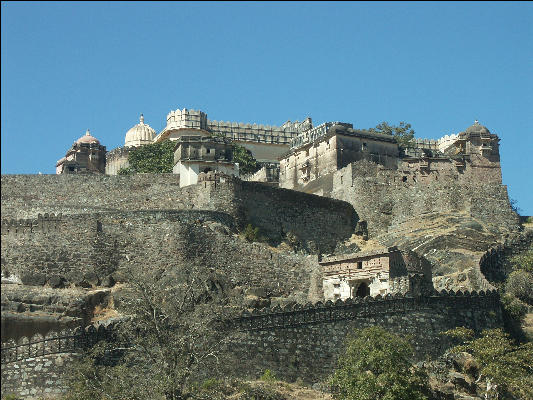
(359, 265)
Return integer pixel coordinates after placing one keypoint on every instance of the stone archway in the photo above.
(363, 290)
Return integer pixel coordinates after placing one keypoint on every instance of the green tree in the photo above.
(402, 132)
(247, 163)
(505, 368)
(151, 158)
(377, 365)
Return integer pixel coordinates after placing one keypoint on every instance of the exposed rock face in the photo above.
(27, 310)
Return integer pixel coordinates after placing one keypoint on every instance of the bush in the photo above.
(251, 234)
(377, 365)
(523, 261)
(151, 158)
(268, 376)
(520, 284)
(505, 367)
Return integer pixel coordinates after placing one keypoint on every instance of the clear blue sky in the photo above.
(67, 67)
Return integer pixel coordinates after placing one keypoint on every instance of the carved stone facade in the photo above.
(373, 273)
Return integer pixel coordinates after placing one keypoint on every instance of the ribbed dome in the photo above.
(87, 138)
(477, 128)
(140, 134)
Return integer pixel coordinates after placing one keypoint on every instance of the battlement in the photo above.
(54, 342)
(193, 119)
(297, 314)
(43, 224)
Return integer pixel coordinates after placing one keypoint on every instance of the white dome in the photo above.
(140, 134)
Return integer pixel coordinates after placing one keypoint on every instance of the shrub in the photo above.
(251, 234)
(504, 366)
(514, 308)
(520, 284)
(377, 365)
(523, 261)
(268, 376)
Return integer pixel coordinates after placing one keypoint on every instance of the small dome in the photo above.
(87, 138)
(477, 128)
(140, 134)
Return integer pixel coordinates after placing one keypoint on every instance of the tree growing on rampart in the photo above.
(403, 132)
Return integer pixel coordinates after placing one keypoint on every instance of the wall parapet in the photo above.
(298, 315)
(54, 342)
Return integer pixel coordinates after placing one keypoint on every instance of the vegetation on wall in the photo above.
(403, 132)
(151, 158)
(378, 365)
(247, 163)
(159, 158)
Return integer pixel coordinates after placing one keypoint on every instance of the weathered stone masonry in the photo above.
(98, 231)
(306, 342)
(296, 341)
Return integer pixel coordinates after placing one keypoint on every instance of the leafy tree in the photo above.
(377, 365)
(247, 163)
(505, 367)
(175, 328)
(402, 133)
(151, 158)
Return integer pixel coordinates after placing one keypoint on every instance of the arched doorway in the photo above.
(363, 290)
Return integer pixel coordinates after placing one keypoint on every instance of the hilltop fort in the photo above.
(356, 230)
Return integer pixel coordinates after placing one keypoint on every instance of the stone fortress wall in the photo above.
(305, 341)
(294, 341)
(495, 264)
(107, 221)
(385, 197)
(37, 367)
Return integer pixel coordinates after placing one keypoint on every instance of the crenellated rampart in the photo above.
(305, 341)
(296, 315)
(293, 341)
(36, 367)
